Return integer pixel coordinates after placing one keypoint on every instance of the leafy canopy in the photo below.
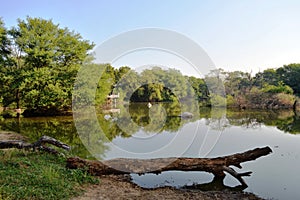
(44, 60)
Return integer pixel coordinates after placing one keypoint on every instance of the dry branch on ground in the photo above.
(40, 144)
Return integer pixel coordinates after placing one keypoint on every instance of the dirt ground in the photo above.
(119, 187)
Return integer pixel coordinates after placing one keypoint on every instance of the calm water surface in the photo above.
(140, 132)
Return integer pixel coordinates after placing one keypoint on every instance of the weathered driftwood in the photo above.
(39, 144)
(216, 166)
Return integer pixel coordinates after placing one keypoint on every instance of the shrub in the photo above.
(231, 101)
(281, 88)
(285, 100)
(217, 100)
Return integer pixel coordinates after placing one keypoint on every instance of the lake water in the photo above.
(137, 131)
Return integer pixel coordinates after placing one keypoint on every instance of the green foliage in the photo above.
(38, 176)
(61, 128)
(8, 113)
(158, 85)
(290, 75)
(231, 101)
(268, 76)
(44, 61)
(39, 62)
(237, 82)
(217, 100)
(119, 73)
(155, 85)
(281, 88)
(105, 84)
(260, 91)
(259, 98)
(4, 44)
(200, 88)
(85, 86)
(256, 98)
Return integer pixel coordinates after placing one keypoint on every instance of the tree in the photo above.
(290, 75)
(214, 81)
(44, 62)
(280, 88)
(119, 73)
(269, 76)
(106, 83)
(4, 44)
(160, 85)
(200, 88)
(233, 83)
(5, 73)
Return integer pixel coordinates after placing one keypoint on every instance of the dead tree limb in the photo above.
(40, 144)
(216, 166)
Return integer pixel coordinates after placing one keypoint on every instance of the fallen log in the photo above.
(40, 144)
(216, 166)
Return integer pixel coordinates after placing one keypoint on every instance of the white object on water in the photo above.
(149, 105)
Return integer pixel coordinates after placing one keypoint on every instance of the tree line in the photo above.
(270, 89)
(39, 62)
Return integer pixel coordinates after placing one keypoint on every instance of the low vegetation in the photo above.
(36, 175)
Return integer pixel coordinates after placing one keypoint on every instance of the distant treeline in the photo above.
(39, 62)
(272, 88)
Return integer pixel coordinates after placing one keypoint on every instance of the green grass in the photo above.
(36, 175)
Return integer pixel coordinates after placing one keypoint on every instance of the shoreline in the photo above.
(121, 187)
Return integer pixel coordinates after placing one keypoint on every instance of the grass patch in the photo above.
(36, 175)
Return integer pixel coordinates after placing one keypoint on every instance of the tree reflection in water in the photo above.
(163, 117)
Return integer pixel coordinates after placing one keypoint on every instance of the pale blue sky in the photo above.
(237, 34)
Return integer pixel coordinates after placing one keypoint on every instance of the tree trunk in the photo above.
(18, 103)
(216, 166)
(39, 144)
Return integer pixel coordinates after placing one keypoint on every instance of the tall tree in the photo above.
(4, 44)
(106, 83)
(46, 59)
(214, 81)
(4, 61)
(290, 75)
(200, 88)
(119, 73)
(269, 76)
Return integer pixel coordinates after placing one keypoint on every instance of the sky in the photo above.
(245, 35)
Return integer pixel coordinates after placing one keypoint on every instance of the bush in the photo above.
(217, 100)
(281, 88)
(285, 100)
(231, 101)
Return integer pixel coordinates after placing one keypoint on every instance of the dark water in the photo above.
(140, 132)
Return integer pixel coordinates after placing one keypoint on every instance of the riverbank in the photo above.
(120, 187)
(44, 176)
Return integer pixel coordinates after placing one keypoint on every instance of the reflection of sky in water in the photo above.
(274, 176)
(164, 144)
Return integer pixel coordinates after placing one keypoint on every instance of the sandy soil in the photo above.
(119, 187)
